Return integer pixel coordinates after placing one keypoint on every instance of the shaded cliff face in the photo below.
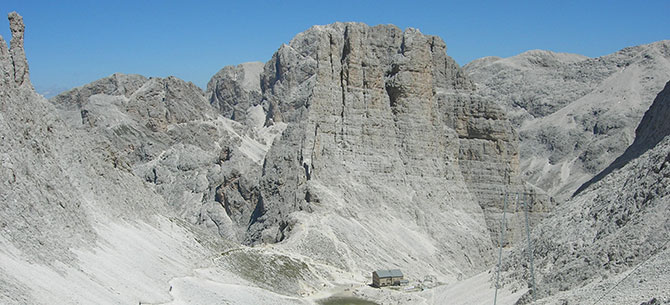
(653, 128)
(384, 134)
(574, 114)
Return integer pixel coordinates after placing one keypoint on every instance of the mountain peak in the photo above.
(13, 63)
(18, 54)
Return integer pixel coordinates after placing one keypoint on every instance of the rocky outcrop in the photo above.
(535, 83)
(615, 232)
(116, 84)
(164, 130)
(378, 127)
(79, 221)
(32, 135)
(575, 115)
(653, 128)
(155, 102)
(235, 89)
(18, 54)
(13, 63)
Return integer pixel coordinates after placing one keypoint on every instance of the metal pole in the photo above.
(530, 248)
(500, 245)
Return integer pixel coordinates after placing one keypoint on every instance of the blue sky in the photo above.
(71, 43)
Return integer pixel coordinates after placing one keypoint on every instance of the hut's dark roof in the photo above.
(389, 273)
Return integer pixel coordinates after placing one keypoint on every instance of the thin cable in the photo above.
(631, 273)
(530, 248)
(502, 240)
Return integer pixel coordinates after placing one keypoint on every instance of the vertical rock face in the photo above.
(18, 54)
(13, 63)
(6, 64)
(385, 133)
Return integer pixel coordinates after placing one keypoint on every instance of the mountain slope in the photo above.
(575, 115)
(66, 207)
(652, 129)
(170, 136)
(78, 226)
(382, 132)
(615, 232)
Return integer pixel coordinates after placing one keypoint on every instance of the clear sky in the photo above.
(71, 43)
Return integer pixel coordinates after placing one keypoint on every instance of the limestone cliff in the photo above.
(384, 133)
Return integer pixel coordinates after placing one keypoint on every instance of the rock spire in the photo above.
(13, 62)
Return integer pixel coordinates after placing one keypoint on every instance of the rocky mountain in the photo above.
(204, 165)
(574, 114)
(62, 196)
(120, 183)
(375, 128)
(354, 148)
(613, 242)
(79, 224)
(384, 132)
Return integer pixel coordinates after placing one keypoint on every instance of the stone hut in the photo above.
(392, 277)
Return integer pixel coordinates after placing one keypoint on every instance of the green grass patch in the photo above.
(346, 301)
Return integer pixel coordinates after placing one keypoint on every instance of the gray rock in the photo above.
(169, 135)
(382, 124)
(18, 54)
(575, 115)
(355, 148)
(56, 184)
(77, 226)
(234, 89)
(653, 128)
(115, 84)
(618, 224)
